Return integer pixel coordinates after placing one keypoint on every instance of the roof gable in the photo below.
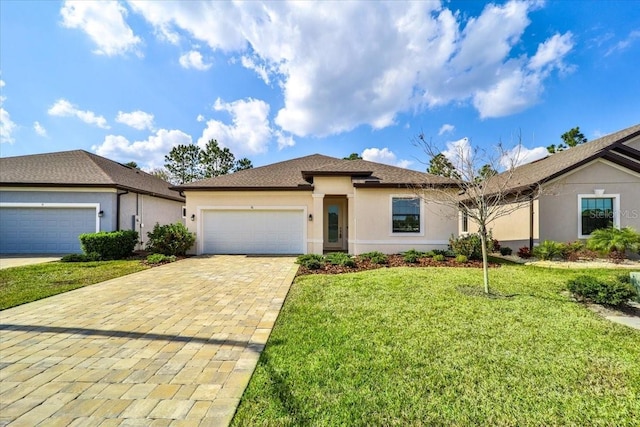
(80, 168)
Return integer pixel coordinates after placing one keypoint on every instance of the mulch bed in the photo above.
(393, 261)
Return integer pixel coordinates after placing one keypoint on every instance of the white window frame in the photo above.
(616, 210)
(422, 218)
(184, 212)
(464, 220)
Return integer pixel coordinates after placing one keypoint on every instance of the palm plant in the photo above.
(613, 240)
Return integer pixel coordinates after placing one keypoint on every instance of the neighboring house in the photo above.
(316, 204)
(47, 200)
(590, 186)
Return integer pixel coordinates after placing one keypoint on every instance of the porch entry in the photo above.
(335, 230)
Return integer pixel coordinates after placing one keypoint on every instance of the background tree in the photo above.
(161, 173)
(570, 138)
(216, 161)
(482, 198)
(242, 164)
(132, 165)
(183, 164)
(353, 156)
(441, 166)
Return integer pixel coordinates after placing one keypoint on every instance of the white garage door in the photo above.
(44, 230)
(253, 231)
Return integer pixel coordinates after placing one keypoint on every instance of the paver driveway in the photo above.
(174, 345)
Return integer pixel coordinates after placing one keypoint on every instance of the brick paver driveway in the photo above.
(174, 345)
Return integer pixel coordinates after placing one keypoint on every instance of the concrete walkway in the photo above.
(171, 346)
(7, 261)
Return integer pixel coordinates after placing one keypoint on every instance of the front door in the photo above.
(334, 224)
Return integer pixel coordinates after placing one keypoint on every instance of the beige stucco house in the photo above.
(594, 185)
(317, 204)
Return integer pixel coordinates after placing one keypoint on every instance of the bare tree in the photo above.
(482, 197)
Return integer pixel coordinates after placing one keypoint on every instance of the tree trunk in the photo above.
(485, 261)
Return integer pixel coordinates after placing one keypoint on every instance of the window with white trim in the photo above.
(465, 221)
(596, 212)
(405, 215)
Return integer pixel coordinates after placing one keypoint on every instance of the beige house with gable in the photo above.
(317, 204)
(591, 186)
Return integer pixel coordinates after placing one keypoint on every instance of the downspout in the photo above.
(531, 223)
(118, 209)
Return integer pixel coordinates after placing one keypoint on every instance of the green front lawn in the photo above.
(19, 285)
(405, 346)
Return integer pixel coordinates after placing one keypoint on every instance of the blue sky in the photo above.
(274, 81)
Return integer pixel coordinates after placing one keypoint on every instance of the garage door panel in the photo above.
(44, 230)
(253, 231)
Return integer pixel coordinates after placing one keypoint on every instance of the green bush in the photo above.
(93, 256)
(340, 258)
(412, 256)
(548, 250)
(439, 258)
(110, 244)
(375, 257)
(614, 241)
(470, 245)
(160, 259)
(461, 259)
(589, 288)
(311, 261)
(170, 239)
(506, 250)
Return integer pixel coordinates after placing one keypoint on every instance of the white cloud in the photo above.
(7, 126)
(459, 153)
(385, 156)
(200, 118)
(193, 59)
(104, 22)
(136, 119)
(148, 153)
(624, 44)
(342, 65)
(249, 131)
(519, 155)
(39, 129)
(446, 128)
(64, 108)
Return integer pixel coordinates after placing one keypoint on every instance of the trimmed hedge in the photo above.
(614, 292)
(110, 244)
(170, 239)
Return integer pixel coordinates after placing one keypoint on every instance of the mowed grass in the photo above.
(19, 285)
(406, 347)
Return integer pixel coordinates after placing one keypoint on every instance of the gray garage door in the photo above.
(253, 231)
(44, 230)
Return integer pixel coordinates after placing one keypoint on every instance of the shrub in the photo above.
(506, 251)
(433, 252)
(93, 256)
(571, 251)
(439, 258)
(170, 239)
(375, 257)
(589, 288)
(310, 261)
(469, 245)
(111, 244)
(495, 244)
(461, 259)
(612, 240)
(160, 259)
(548, 250)
(524, 252)
(412, 256)
(340, 258)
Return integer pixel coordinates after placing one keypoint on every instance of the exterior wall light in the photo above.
(310, 217)
(193, 217)
(101, 214)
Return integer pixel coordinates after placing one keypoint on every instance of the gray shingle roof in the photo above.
(80, 168)
(297, 174)
(560, 163)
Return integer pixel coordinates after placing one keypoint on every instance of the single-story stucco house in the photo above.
(590, 186)
(317, 204)
(47, 200)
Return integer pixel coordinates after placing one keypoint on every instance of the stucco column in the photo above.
(351, 212)
(317, 224)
